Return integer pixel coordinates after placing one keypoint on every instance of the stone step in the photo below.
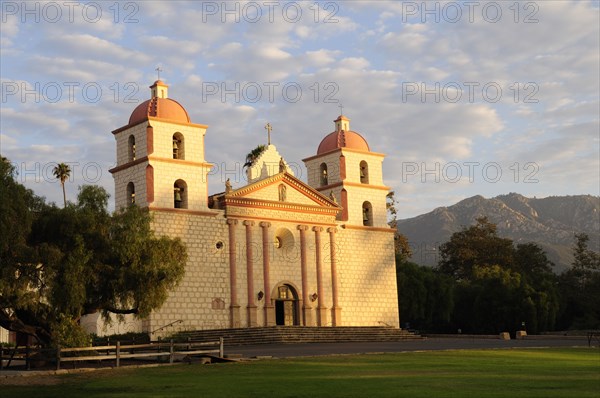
(298, 334)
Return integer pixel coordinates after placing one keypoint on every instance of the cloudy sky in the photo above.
(464, 98)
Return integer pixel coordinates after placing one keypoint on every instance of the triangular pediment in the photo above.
(282, 189)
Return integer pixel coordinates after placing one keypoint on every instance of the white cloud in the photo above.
(361, 60)
(92, 47)
(321, 57)
(412, 39)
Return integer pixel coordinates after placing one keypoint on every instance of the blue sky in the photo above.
(465, 98)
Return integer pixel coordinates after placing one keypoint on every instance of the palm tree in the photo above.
(254, 154)
(62, 171)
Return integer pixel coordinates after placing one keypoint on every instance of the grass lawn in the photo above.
(527, 373)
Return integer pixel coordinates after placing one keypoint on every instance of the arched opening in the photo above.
(178, 146)
(323, 174)
(284, 239)
(131, 149)
(367, 211)
(131, 193)
(180, 195)
(286, 306)
(364, 172)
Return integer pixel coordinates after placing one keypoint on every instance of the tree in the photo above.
(499, 286)
(530, 260)
(401, 245)
(475, 246)
(20, 282)
(62, 172)
(586, 260)
(65, 263)
(580, 288)
(254, 154)
(426, 297)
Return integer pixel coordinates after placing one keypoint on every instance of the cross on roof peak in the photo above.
(268, 127)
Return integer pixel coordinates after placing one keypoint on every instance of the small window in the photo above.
(367, 211)
(180, 195)
(131, 148)
(178, 146)
(218, 303)
(323, 174)
(284, 292)
(219, 245)
(364, 172)
(283, 239)
(131, 193)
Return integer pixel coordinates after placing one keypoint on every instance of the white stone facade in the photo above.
(276, 251)
(4, 335)
(95, 324)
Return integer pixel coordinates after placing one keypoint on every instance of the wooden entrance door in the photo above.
(286, 306)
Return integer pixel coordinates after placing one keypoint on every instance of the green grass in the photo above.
(528, 373)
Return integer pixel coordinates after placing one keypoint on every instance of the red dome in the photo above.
(343, 139)
(163, 108)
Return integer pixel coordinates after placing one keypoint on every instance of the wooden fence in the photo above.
(158, 350)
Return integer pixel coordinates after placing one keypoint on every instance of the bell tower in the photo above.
(160, 157)
(345, 168)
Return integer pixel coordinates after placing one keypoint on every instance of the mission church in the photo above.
(277, 251)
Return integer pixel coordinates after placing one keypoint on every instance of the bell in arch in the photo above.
(175, 149)
(177, 195)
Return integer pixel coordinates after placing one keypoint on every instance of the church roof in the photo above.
(163, 108)
(310, 195)
(342, 139)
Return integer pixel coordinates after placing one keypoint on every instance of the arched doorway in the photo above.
(286, 306)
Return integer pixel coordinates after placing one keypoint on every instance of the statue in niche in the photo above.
(332, 197)
(281, 165)
(282, 193)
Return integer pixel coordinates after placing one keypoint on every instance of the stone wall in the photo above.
(367, 274)
(93, 323)
(365, 266)
(202, 298)
(3, 335)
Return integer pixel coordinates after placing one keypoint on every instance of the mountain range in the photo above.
(550, 222)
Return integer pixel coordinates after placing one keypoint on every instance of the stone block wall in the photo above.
(202, 298)
(367, 274)
(365, 264)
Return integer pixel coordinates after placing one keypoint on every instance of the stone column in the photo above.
(269, 308)
(234, 307)
(251, 307)
(336, 311)
(306, 308)
(321, 308)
